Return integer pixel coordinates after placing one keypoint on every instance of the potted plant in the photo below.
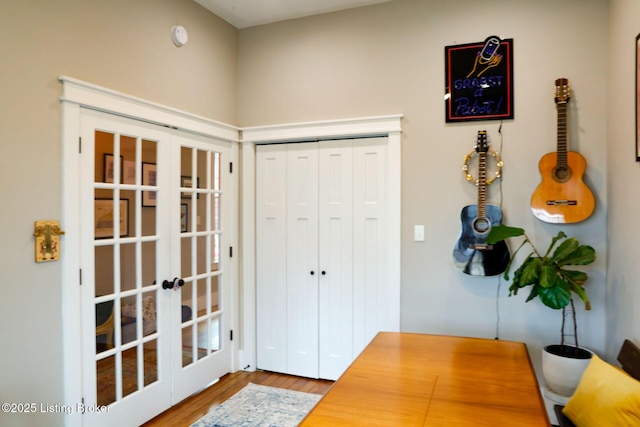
(555, 285)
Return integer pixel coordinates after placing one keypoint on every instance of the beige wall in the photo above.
(120, 44)
(388, 59)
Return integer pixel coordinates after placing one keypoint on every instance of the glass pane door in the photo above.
(127, 363)
(202, 313)
(154, 293)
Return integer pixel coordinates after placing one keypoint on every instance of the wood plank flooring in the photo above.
(193, 408)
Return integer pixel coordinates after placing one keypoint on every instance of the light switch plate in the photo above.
(418, 233)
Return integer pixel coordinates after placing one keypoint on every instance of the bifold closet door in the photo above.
(302, 259)
(287, 258)
(335, 293)
(271, 259)
(321, 254)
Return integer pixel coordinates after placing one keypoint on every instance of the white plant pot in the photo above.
(562, 373)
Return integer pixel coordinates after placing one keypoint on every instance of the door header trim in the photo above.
(330, 129)
(107, 100)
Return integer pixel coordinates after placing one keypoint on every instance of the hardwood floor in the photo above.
(193, 408)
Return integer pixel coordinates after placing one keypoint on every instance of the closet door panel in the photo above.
(371, 310)
(302, 259)
(271, 262)
(336, 257)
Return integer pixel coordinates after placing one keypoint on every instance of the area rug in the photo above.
(260, 406)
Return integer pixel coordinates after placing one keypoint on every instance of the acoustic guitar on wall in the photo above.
(471, 253)
(562, 196)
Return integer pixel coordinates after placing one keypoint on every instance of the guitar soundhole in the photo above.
(562, 173)
(481, 225)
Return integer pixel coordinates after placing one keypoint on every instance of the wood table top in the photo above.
(404, 379)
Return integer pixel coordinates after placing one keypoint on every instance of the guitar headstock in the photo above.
(563, 91)
(482, 145)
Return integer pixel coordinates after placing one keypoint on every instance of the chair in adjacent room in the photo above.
(105, 321)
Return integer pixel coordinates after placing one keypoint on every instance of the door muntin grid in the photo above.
(125, 268)
(201, 237)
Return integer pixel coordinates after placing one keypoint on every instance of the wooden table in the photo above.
(403, 379)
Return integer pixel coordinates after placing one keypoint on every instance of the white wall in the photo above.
(389, 58)
(623, 285)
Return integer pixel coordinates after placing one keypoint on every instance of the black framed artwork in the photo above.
(104, 226)
(149, 171)
(109, 168)
(479, 80)
(184, 218)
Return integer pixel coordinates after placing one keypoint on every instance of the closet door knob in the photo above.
(313, 272)
(323, 272)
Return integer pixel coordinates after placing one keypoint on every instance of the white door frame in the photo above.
(77, 95)
(387, 126)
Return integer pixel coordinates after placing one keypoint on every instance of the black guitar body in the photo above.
(472, 254)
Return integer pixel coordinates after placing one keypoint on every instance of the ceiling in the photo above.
(248, 13)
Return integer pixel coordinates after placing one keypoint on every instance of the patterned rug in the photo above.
(260, 406)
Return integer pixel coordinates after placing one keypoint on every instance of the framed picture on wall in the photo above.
(128, 172)
(637, 77)
(109, 168)
(187, 182)
(184, 218)
(149, 178)
(104, 218)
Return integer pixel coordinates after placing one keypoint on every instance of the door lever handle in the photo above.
(175, 284)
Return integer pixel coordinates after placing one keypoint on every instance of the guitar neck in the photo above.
(482, 185)
(562, 135)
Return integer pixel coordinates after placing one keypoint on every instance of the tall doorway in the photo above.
(155, 262)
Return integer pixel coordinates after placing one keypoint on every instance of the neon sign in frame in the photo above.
(479, 80)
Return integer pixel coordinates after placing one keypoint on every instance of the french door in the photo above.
(155, 283)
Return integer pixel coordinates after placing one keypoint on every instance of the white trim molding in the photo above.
(346, 128)
(387, 126)
(102, 99)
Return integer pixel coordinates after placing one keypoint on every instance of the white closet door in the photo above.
(336, 257)
(302, 259)
(322, 254)
(372, 292)
(271, 262)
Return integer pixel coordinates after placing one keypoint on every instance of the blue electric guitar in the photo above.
(472, 254)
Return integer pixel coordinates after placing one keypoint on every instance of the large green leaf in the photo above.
(528, 273)
(574, 254)
(556, 297)
(548, 276)
(501, 232)
(559, 236)
(565, 249)
(576, 277)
